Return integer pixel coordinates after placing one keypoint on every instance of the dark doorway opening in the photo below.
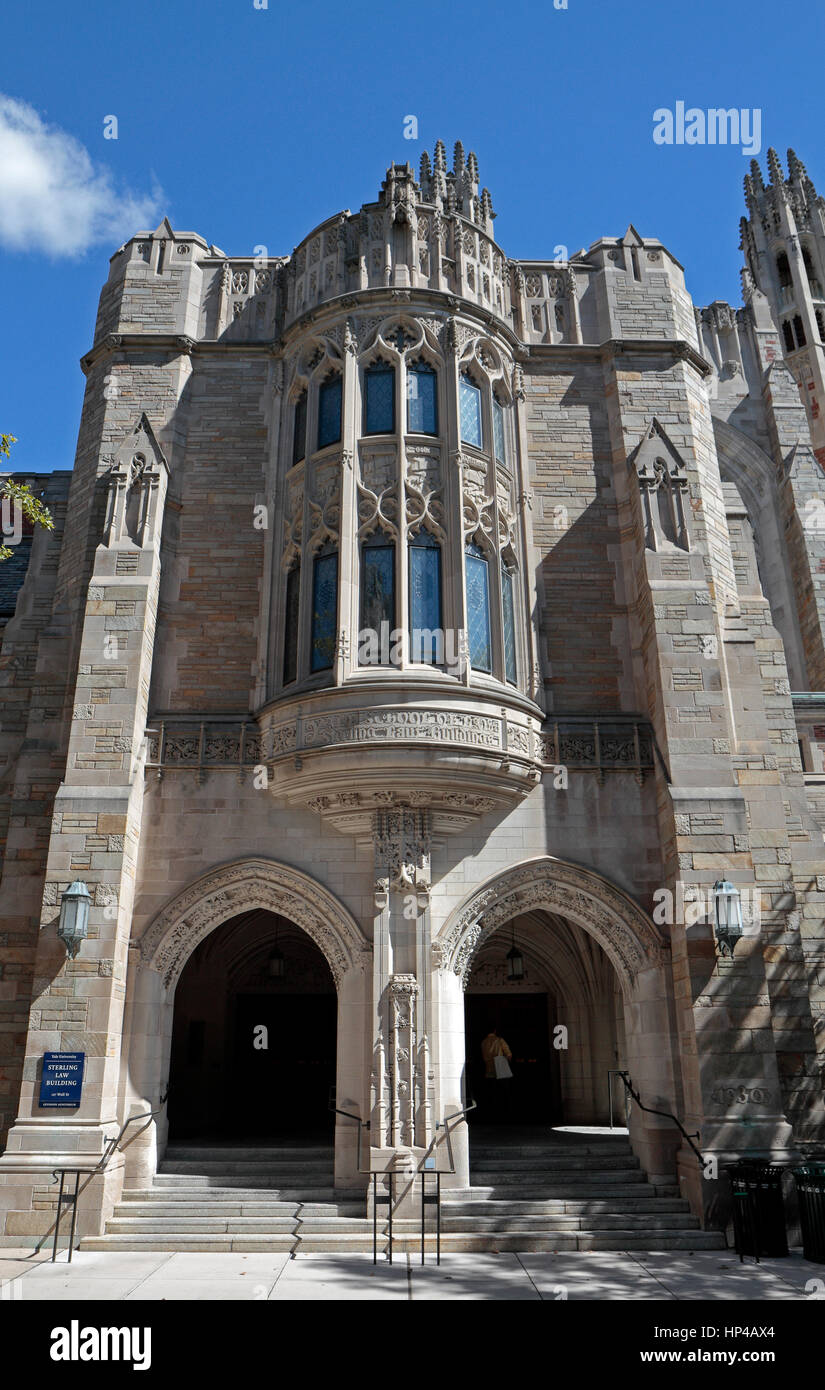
(532, 1094)
(286, 1085)
(258, 979)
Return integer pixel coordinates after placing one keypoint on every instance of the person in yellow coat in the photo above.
(492, 1047)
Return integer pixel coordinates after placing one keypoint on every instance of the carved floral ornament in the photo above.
(622, 929)
(190, 917)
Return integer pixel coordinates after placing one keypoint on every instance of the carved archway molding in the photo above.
(224, 892)
(622, 929)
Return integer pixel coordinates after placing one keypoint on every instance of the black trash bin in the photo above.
(758, 1209)
(810, 1187)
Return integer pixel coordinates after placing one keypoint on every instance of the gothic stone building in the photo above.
(416, 618)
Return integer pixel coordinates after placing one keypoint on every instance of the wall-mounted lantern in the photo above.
(73, 927)
(727, 913)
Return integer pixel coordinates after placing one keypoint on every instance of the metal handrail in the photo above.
(666, 1114)
(445, 1125)
(421, 1171)
(362, 1125)
(71, 1199)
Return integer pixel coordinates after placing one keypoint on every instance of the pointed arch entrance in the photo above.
(254, 1036)
(245, 904)
(549, 905)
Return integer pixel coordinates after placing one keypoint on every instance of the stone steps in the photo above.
(299, 1224)
(536, 1197)
(246, 1153)
(623, 1163)
(526, 1240)
(259, 1168)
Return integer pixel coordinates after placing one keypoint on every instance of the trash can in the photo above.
(810, 1187)
(758, 1209)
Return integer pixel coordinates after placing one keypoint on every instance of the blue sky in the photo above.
(251, 125)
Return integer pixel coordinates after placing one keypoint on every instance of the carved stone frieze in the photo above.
(234, 888)
(620, 926)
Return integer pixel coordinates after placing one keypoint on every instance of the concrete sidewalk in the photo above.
(614, 1275)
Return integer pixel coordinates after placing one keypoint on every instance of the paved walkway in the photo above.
(618, 1275)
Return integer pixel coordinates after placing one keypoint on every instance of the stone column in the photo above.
(400, 1100)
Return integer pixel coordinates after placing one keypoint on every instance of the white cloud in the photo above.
(53, 197)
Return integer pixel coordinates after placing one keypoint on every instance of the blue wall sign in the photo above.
(61, 1081)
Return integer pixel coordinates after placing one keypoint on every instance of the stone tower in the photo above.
(784, 243)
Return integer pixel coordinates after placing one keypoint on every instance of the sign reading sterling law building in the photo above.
(61, 1081)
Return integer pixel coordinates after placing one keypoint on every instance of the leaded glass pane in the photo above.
(422, 408)
(498, 430)
(470, 411)
(379, 400)
(478, 609)
(426, 637)
(377, 593)
(509, 624)
(299, 438)
(329, 412)
(293, 589)
(324, 611)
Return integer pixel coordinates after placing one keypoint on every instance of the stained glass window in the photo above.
(299, 437)
(478, 608)
(426, 637)
(498, 429)
(470, 411)
(422, 405)
(329, 412)
(377, 594)
(508, 608)
(379, 400)
(293, 589)
(324, 609)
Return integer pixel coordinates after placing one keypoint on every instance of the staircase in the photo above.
(560, 1193)
(569, 1192)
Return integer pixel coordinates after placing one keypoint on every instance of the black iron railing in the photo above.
(666, 1114)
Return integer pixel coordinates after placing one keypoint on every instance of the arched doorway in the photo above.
(549, 990)
(254, 1035)
(546, 890)
(223, 894)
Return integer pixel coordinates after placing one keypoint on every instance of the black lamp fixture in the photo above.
(276, 963)
(515, 961)
(727, 913)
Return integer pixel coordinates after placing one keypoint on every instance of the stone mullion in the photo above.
(306, 582)
(495, 596)
(454, 497)
(270, 586)
(348, 549)
(533, 680)
(402, 562)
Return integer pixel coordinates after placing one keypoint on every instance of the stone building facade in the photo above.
(411, 605)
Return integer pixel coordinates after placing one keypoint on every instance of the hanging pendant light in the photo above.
(515, 961)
